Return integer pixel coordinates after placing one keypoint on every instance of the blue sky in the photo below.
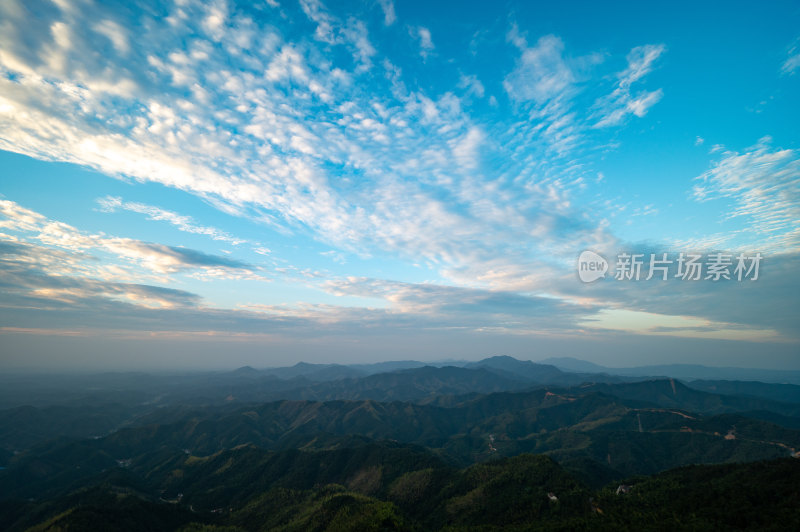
(212, 184)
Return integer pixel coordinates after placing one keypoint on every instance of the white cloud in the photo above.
(425, 41)
(617, 106)
(389, 16)
(542, 74)
(764, 183)
(154, 258)
(332, 31)
(283, 133)
(792, 62)
(466, 149)
(114, 33)
(44, 279)
(642, 103)
(356, 33)
(335, 256)
(315, 11)
(58, 276)
(640, 63)
(472, 85)
(544, 86)
(183, 223)
(215, 18)
(468, 307)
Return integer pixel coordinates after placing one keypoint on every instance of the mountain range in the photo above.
(403, 445)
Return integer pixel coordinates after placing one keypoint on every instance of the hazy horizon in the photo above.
(256, 361)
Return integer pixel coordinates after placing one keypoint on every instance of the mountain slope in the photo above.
(526, 492)
(610, 435)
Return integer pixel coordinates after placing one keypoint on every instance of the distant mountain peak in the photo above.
(499, 358)
(515, 368)
(302, 364)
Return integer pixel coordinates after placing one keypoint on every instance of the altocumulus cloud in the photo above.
(217, 101)
(297, 115)
(153, 257)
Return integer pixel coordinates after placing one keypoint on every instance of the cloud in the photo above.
(335, 256)
(156, 258)
(688, 327)
(305, 121)
(545, 85)
(40, 277)
(472, 85)
(764, 184)
(183, 223)
(423, 34)
(617, 106)
(766, 307)
(389, 16)
(542, 73)
(168, 259)
(115, 33)
(286, 123)
(465, 307)
(45, 288)
(792, 62)
(279, 132)
(332, 31)
(640, 63)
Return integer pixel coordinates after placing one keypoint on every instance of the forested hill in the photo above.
(455, 448)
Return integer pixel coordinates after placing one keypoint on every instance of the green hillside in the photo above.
(542, 458)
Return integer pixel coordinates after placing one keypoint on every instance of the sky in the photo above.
(190, 184)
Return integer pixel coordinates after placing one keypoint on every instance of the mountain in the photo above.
(396, 365)
(246, 371)
(414, 385)
(373, 487)
(575, 365)
(392, 487)
(24, 426)
(539, 373)
(521, 369)
(754, 496)
(672, 393)
(92, 406)
(316, 372)
(601, 432)
(789, 393)
(680, 371)
(500, 442)
(694, 371)
(495, 444)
